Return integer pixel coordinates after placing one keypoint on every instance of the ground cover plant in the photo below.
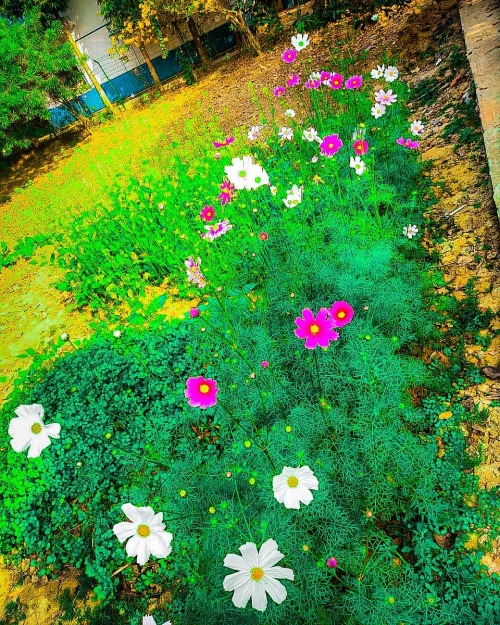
(281, 413)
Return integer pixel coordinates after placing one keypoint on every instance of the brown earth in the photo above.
(33, 313)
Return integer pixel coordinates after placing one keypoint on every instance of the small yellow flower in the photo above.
(182, 493)
(305, 547)
(288, 428)
(211, 510)
(252, 481)
(247, 444)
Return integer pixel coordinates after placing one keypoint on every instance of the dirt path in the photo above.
(33, 313)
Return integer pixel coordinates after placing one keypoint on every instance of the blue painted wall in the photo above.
(134, 81)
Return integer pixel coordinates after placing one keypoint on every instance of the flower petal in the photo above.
(124, 530)
(236, 580)
(250, 554)
(276, 590)
(159, 544)
(233, 561)
(259, 598)
(38, 444)
(53, 430)
(132, 512)
(242, 594)
(280, 572)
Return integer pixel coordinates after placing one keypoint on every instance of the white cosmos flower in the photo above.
(357, 164)
(294, 486)
(256, 575)
(410, 231)
(310, 134)
(300, 41)
(117, 334)
(416, 128)
(391, 73)
(290, 113)
(386, 97)
(293, 196)
(315, 76)
(244, 173)
(253, 133)
(28, 430)
(149, 620)
(274, 190)
(379, 72)
(378, 110)
(285, 133)
(145, 533)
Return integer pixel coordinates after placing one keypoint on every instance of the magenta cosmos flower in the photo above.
(279, 91)
(227, 192)
(336, 81)
(408, 143)
(330, 145)
(201, 392)
(194, 312)
(312, 84)
(293, 80)
(289, 55)
(207, 213)
(331, 563)
(325, 76)
(360, 146)
(354, 82)
(318, 331)
(341, 313)
(264, 364)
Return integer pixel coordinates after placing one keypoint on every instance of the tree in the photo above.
(136, 24)
(37, 66)
(49, 10)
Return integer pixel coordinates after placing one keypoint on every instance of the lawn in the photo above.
(305, 409)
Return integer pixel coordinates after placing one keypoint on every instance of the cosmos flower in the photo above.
(416, 128)
(279, 91)
(385, 97)
(290, 113)
(342, 313)
(300, 41)
(201, 392)
(312, 84)
(273, 190)
(149, 620)
(293, 80)
(391, 73)
(29, 432)
(408, 143)
(293, 487)
(263, 236)
(289, 55)
(253, 133)
(256, 575)
(227, 192)
(245, 174)
(315, 76)
(336, 81)
(317, 330)
(310, 134)
(330, 145)
(193, 271)
(207, 213)
(357, 164)
(378, 110)
(217, 230)
(378, 73)
(293, 196)
(285, 133)
(360, 146)
(354, 82)
(144, 533)
(325, 77)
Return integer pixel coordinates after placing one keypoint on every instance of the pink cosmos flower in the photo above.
(331, 563)
(354, 82)
(279, 91)
(360, 146)
(227, 192)
(341, 313)
(318, 331)
(408, 143)
(289, 55)
(385, 97)
(217, 230)
(312, 84)
(336, 81)
(330, 145)
(194, 312)
(325, 77)
(201, 392)
(207, 213)
(264, 364)
(293, 80)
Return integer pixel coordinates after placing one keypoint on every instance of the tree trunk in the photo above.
(238, 20)
(85, 66)
(152, 71)
(200, 48)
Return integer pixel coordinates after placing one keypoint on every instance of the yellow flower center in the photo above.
(204, 388)
(144, 531)
(314, 329)
(330, 145)
(36, 428)
(256, 574)
(341, 314)
(293, 482)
